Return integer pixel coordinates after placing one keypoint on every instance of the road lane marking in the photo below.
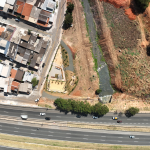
(68, 133)
(32, 133)
(119, 141)
(16, 128)
(120, 137)
(145, 119)
(15, 131)
(85, 138)
(51, 132)
(103, 136)
(50, 135)
(6, 111)
(102, 140)
(33, 130)
(68, 137)
(128, 119)
(86, 135)
(58, 116)
(135, 141)
(136, 138)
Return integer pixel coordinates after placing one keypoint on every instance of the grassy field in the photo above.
(43, 144)
(65, 57)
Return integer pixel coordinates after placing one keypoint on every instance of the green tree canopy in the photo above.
(133, 110)
(70, 8)
(142, 4)
(98, 91)
(68, 20)
(34, 82)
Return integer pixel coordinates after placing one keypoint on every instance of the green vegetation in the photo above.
(68, 18)
(142, 4)
(29, 31)
(98, 91)
(132, 111)
(65, 57)
(34, 82)
(82, 108)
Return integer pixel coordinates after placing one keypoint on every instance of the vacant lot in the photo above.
(124, 31)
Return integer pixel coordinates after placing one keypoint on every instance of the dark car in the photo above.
(47, 118)
(43, 65)
(119, 121)
(78, 116)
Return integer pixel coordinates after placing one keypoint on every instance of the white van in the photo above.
(24, 117)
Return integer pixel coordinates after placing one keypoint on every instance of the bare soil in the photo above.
(77, 39)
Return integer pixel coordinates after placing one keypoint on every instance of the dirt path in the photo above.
(76, 38)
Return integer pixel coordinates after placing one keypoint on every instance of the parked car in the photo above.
(47, 118)
(119, 121)
(131, 136)
(42, 114)
(115, 118)
(37, 100)
(43, 65)
(17, 19)
(94, 117)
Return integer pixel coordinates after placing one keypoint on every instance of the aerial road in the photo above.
(81, 135)
(137, 120)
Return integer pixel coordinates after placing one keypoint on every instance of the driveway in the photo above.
(70, 67)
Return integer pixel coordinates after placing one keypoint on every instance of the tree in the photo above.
(142, 4)
(132, 111)
(99, 109)
(70, 8)
(34, 82)
(98, 91)
(68, 20)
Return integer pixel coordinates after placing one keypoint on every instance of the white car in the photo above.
(131, 136)
(37, 100)
(94, 117)
(24, 117)
(42, 114)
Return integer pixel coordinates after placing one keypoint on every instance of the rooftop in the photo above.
(2, 3)
(49, 5)
(26, 36)
(13, 73)
(35, 12)
(1, 30)
(27, 9)
(19, 6)
(25, 87)
(28, 77)
(6, 71)
(11, 2)
(11, 53)
(15, 86)
(19, 75)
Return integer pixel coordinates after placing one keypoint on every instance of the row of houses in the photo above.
(22, 46)
(39, 12)
(14, 80)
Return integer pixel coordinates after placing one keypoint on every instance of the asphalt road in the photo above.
(9, 148)
(137, 120)
(79, 135)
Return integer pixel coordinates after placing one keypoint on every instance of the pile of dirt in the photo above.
(130, 14)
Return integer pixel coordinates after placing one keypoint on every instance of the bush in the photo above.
(98, 91)
(34, 82)
(82, 108)
(142, 4)
(68, 20)
(70, 8)
(132, 111)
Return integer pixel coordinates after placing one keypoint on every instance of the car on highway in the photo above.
(42, 114)
(78, 116)
(115, 118)
(47, 118)
(131, 137)
(24, 117)
(37, 100)
(119, 121)
(94, 117)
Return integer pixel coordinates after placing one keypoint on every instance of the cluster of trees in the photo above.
(142, 4)
(131, 111)
(82, 108)
(34, 82)
(68, 18)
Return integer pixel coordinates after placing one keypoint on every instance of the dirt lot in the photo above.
(77, 39)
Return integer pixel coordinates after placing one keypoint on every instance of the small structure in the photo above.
(49, 5)
(13, 72)
(25, 88)
(5, 70)
(19, 75)
(4, 45)
(28, 77)
(15, 87)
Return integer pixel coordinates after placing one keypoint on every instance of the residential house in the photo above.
(5, 70)
(19, 75)
(2, 4)
(15, 87)
(25, 88)
(4, 45)
(28, 77)
(49, 5)
(13, 73)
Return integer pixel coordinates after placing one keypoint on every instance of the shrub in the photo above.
(34, 82)
(98, 91)
(68, 20)
(132, 111)
(142, 4)
(70, 8)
